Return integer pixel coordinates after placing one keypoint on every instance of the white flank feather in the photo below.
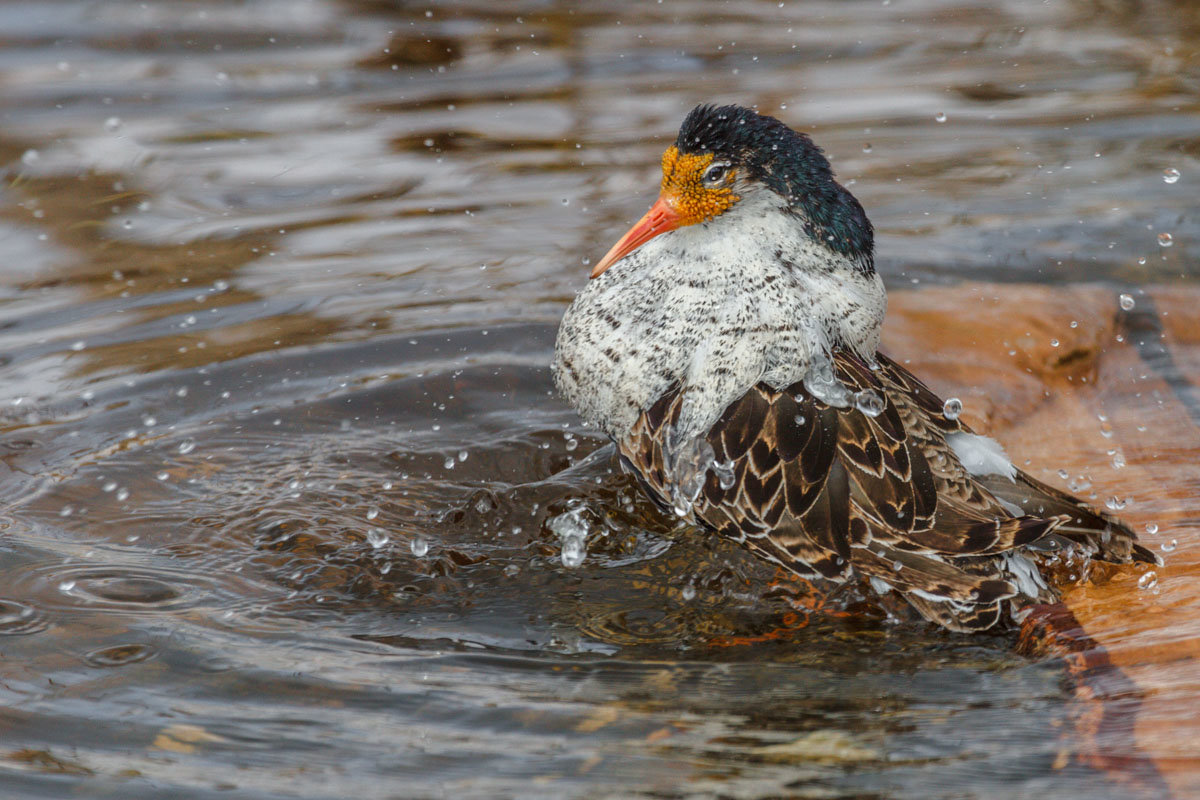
(980, 455)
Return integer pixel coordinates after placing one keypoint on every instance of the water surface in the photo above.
(280, 448)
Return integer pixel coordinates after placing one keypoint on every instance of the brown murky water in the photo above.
(279, 450)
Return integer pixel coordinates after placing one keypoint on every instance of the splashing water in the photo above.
(572, 530)
(869, 402)
(686, 465)
(822, 383)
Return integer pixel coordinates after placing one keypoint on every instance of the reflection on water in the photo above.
(280, 447)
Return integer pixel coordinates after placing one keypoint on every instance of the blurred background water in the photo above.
(279, 448)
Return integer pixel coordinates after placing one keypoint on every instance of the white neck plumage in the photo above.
(714, 308)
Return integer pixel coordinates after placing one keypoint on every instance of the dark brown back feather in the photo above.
(834, 493)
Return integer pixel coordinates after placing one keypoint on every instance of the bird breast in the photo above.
(713, 308)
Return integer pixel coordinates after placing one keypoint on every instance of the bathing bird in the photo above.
(729, 345)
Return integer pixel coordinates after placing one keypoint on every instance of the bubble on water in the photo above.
(122, 494)
(377, 537)
(1170, 175)
(1165, 240)
(952, 408)
(372, 512)
(688, 592)
(1148, 581)
(109, 486)
(941, 116)
(1127, 302)
(869, 402)
(419, 546)
(187, 446)
(1169, 547)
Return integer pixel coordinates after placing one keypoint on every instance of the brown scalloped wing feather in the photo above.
(831, 492)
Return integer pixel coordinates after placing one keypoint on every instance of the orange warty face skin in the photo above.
(684, 189)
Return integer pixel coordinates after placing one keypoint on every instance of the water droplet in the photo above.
(1165, 240)
(726, 476)
(800, 420)
(66, 511)
(30, 157)
(1168, 547)
(1142, 260)
(112, 124)
(66, 586)
(377, 538)
(867, 148)
(162, 476)
(419, 546)
(1115, 503)
(449, 462)
(1151, 528)
(952, 408)
(187, 446)
(1170, 175)
(1054, 342)
(462, 455)
(1062, 473)
(1127, 302)
(80, 345)
(688, 592)
(122, 494)
(1118, 459)
(869, 402)
(511, 571)
(109, 486)
(941, 116)
(1148, 581)
(372, 512)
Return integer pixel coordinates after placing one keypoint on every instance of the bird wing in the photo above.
(828, 491)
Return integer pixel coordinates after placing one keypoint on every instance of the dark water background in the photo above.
(278, 443)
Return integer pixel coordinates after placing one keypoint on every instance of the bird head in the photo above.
(724, 155)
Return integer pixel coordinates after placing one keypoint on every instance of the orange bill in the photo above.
(661, 217)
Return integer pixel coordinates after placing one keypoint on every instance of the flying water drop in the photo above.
(1170, 175)
(1165, 240)
(1127, 302)
(952, 408)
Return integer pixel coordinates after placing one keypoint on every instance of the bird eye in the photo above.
(715, 174)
